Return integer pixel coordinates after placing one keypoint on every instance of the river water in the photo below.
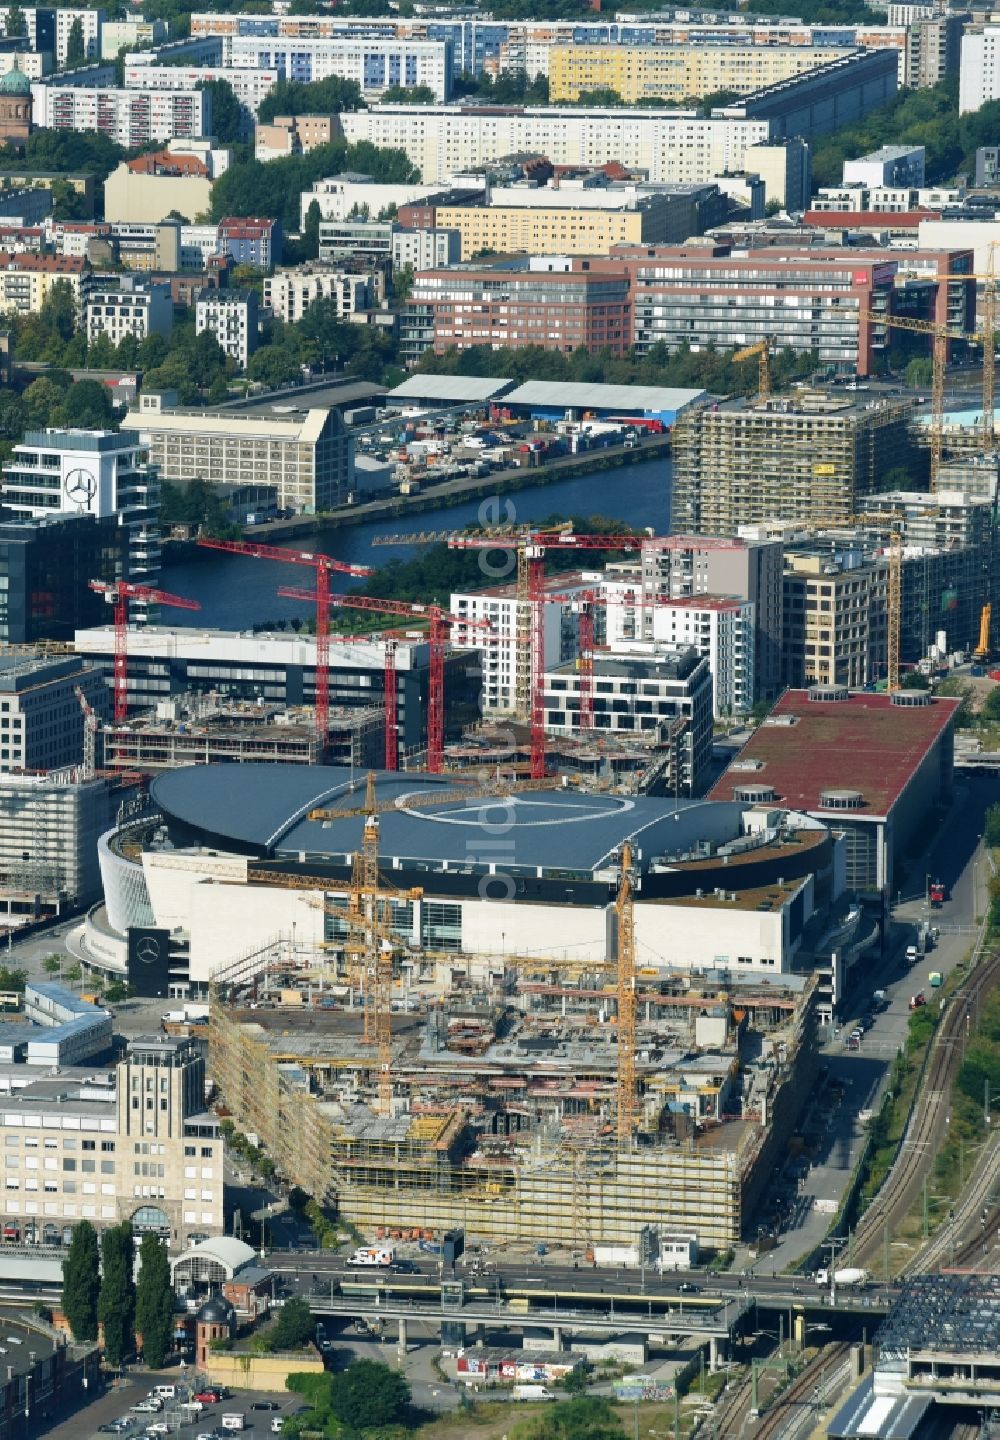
(237, 593)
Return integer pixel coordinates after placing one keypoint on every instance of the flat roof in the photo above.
(626, 398)
(956, 1313)
(864, 743)
(448, 388)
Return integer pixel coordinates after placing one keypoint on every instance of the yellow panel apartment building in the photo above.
(555, 230)
(678, 72)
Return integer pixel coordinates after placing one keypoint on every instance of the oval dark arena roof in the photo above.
(265, 808)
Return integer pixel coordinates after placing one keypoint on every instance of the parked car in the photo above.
(265, 1405)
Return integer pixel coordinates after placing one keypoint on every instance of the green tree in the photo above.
(16, 22)
(583, 1418)
(52, 964)
(295, 1325)
(76, 49)
(87, 406)
(12, 979)
(227, 112)
(992, 829)
(919, 372)
(368, 1395)
(414, 95)
(914, 680)
(82, 1282)
(309, 241)
(116, 992)
(321, 97)
(116, 1303)
(600, 96)
(154, 1301)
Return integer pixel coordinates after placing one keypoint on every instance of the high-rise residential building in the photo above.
(557, 306)
(231, 316)
(814, 458)
(248, 84)
(90, 472)
(720, 627)
(834, 618)
(128, 308)
(376, 64)
(640, 73)
(131, 118)
(46, 566)
(444, 140)
(979, 73)
(302, 460)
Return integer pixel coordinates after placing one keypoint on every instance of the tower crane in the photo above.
(441, 621)
(530, 547)
(762, 349)
(90, 724)
(323, 566)
(118, 593)
(625, 912)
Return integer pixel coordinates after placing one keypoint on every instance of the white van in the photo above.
(234, 1422)
(165, 1392)
(277, 1424)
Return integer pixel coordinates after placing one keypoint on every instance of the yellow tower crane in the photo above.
(624, 909)
(762, 349)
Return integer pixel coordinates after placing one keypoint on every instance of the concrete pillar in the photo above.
(800, 1330)
(401, 1341)
(557, 1337)
(713, 1354)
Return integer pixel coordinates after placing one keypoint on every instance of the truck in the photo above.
(532, 1392)
(366, 1256)
(849, 1277)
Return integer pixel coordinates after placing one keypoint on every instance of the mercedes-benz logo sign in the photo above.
(80, 486)
(148, 950)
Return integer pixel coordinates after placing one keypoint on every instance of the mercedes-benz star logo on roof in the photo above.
(81, 486)
(148, 950)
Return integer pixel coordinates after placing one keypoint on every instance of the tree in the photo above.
(583, 1418)
(76, 49)
(12, 979)
(116, 1303)
(295, 1325)
(154, 1301)
(227, 112)
(412, 95)
(367, 1395)
(16, 22)
(82, 1282)
(86, 406)
(992, 828)
(116, 992)
(321, 97)
(914, 680)
(919, 372)
(309, 241)
(67, 202)
(52, 964)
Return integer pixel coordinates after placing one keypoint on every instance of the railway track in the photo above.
(797, 1405)
(974, 1223)
(902, 1185)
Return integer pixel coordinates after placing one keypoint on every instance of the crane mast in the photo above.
(624, 909)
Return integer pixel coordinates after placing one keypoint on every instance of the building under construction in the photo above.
(814, 456)
(504, 1111)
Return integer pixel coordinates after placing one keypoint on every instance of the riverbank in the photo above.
(452, 492)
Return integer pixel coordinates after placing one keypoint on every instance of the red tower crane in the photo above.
(441, 621)
(323, 565)
(118, 593)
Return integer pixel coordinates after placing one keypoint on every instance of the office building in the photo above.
(678, 73)
(442, 141)
(814, 458)
(90, 472)
(289, 293)
(128, 307)
(893, 165)
(41, 719)
(231, 316)
(375, 64)
(657, 694)
(131, 118)
(367, 240)
(834, 616)
(720, 628)
(698, 296)
(46, 566)
(301, 460)
(560, 306)
(132, 1143)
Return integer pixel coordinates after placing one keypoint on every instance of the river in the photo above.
(236, 593)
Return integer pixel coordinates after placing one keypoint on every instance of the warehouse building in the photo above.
(899, 770)
(569, 400)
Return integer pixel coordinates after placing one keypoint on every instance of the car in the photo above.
(151, 1406)
(158, 1427)
(208, 1397)
(113, 1429)
(686, 1288)
(265, 1405)
(405, 1267)
(277, 1424)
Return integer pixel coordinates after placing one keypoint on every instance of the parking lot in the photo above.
(94, 1422)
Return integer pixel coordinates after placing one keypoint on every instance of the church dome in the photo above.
(15, 82)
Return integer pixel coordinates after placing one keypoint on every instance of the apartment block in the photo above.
(293, 135)
(251, 240)
(979, 72)
(892, 165)
(128, 307)
(822, 301)
(446, 140)
(352, 196)
(289, 293)
(90, 472)
(824, 99)
(231, 316)
(119, 35)
(813, 459)
(425, 249)
(375, 64)
(48, 29)
(248, 84)
(720, 628)
(639, 73)
(512, 305)
(130, 118)
(303, 459)
(834, 616)
(26, 279)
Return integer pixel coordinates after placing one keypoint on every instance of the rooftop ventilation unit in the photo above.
(911, 699)
(841, 800)
(828, 693)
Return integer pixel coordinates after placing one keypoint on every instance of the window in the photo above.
(190, 1149)
(89, 1144)
(108, 1147)
(206, 1152)
(107, 1167)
